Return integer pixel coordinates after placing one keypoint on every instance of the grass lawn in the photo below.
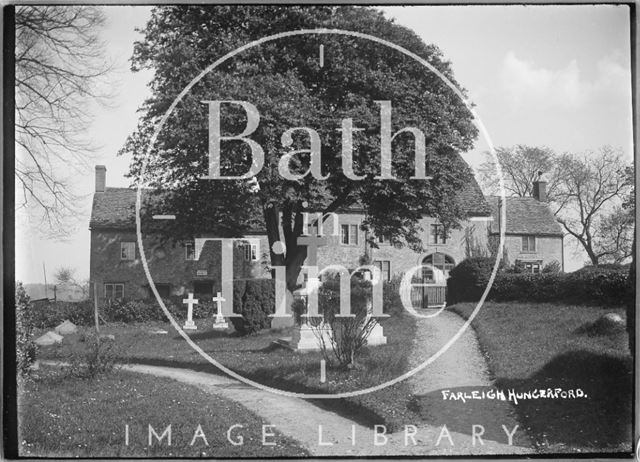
(63, 416)
(257, 358)
(534, 346)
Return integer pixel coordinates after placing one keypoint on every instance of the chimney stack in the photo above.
(101, 178)
(540, 189)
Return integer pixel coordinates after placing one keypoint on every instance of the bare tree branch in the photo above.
(60, 69)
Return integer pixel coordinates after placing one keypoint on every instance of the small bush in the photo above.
(26, 349)
(256, 304)
(468, 280)
(552, 267)
(99, 357)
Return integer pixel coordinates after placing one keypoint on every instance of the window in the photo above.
(439, 261)
(385, 268)
(189, 251)
(531, 266)
(438, 234)
(202, 289)
(384, 239)
(349, 234)
(528, 243)
(127, 251)
(113, 291)
(250, 252)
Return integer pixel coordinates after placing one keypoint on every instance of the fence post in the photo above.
(95, 309)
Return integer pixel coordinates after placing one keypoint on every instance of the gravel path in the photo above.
(461, 368)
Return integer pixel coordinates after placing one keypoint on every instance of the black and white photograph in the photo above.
(304, 230)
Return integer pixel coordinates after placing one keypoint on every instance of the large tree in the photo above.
(60, 63)
(289, 87)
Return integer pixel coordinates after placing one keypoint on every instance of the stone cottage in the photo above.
(195, 266)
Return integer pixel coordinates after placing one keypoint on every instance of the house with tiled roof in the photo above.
(533, 236)
(194, 265)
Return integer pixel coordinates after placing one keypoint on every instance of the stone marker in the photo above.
(159, 331)
(189, 324)
(108, 337)
(66, 328)
(219, 323)
(48, 339)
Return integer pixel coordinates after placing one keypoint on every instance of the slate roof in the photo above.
(525, 215)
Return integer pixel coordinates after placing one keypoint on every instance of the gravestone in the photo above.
(189, 324)
(66, 328)
(219, 323)
(50, 338)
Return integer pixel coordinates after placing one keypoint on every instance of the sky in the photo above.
(555, 76)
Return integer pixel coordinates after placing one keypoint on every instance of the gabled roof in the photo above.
(114, 208)
(525, 215)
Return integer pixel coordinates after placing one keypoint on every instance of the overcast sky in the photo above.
(556, 76)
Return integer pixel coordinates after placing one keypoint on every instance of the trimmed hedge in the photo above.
(592, 286)
(468, 280)
(255, 300)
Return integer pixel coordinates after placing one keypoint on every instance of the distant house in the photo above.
(533, 236)
(195, 265)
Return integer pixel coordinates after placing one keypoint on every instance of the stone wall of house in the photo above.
(471, 237)
(547, 250)
(167, 264)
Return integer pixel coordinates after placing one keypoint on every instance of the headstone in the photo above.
(219, 323)
(189, 324)
(108, 337)
(159, 331)
(50, 338)
(66, 328)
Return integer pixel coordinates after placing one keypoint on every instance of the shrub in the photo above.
(99, 357)
(552, 267)
(25, 347)
(50, 314)
(255, 305)
(468, 280)
(582, 287)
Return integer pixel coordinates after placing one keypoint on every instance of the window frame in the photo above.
(250, 251)
(528, 239)
(126, 245)
(191, 245)
(351, 234)
(438, 234)
(379, 264)
(113, 285)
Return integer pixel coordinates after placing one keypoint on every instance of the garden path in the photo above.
(461, 366)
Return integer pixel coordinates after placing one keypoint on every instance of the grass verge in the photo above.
(257, 358)
(63, 416)
(541, 346)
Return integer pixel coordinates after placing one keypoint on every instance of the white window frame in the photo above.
(437, 234)
(113, 286)
(379, 264)
(351, 234)
(528, 248)
(250, 250)
(193, 251)
(128, 251)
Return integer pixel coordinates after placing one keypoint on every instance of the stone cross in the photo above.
(189, 324)
(219, 323)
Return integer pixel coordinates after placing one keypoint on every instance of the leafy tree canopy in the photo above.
(286, 83)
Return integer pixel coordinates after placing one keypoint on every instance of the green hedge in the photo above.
(591, 286)
(468, 280)
(255, 300)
